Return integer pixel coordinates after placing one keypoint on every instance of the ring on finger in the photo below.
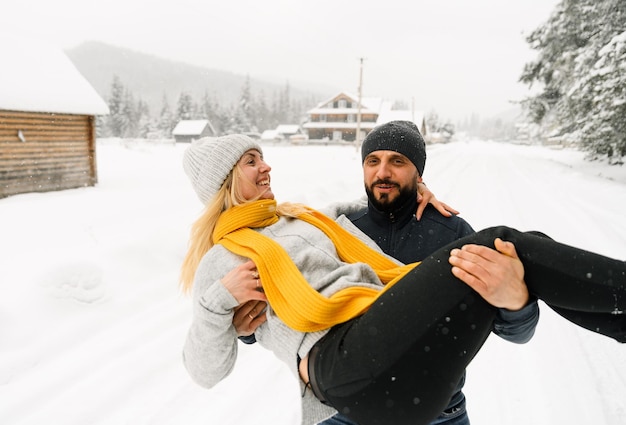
(257, 283)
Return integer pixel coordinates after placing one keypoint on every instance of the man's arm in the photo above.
(517, 326)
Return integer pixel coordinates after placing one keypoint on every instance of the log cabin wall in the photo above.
(42, 152)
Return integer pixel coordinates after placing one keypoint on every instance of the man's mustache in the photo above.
(385, 182)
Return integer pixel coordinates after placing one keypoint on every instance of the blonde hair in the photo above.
(201, 235)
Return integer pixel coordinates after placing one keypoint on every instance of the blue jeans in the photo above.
(458, 416)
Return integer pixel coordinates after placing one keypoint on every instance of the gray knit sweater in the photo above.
(210, 350)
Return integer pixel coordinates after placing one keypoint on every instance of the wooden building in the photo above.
(186, 131)
(336, 119)
(283, 133)
(47, 121)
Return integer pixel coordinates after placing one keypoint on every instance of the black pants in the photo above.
(400, 362)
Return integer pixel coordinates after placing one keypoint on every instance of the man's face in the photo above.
(390, 179)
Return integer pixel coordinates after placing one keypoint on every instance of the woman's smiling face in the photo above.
(255, 180)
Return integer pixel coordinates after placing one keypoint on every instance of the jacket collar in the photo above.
(399, 216)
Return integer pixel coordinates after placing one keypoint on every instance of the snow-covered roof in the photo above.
(404, 114)
(375, 104)
(288, 128)
(271, 135)
(368, 105)
(366, 125)
(36, 76)
(190, 127)
(343, 93)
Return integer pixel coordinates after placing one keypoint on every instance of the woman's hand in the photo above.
(249, 316)
(425, 197)
(244, 284)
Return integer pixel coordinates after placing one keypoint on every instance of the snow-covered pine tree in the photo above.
(578, 66)
(115, 119)
(166, 121)
(185, 109)
(129, 116)
(242, 115)
(604, 89)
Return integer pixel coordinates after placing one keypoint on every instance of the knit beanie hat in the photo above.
(400, 136)
(208, 161)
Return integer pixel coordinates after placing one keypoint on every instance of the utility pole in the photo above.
(357, 137)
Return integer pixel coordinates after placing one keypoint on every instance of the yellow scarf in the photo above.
(299, 305)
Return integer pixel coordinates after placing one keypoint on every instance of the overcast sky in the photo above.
(456, 57)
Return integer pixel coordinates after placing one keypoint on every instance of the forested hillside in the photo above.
(148, 94)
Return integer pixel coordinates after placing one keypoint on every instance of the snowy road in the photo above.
(92, 323)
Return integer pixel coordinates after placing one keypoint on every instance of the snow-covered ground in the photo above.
(92, 322)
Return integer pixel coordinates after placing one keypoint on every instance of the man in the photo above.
(394, 155)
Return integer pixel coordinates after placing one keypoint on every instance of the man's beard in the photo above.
(384, 203)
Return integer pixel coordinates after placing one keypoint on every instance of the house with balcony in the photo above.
(336, 119)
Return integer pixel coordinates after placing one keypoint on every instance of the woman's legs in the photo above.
(613, 325)
(585, 288)
(401, 361)
(567, 277)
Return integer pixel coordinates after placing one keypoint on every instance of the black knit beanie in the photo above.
(399, 136)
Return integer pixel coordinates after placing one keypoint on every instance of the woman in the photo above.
(377, 353)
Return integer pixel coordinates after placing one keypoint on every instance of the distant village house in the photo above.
(186, 131)
(284, 132)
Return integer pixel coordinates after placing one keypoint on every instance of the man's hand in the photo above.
(425, 197)
(249, 316)
(497, 275)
